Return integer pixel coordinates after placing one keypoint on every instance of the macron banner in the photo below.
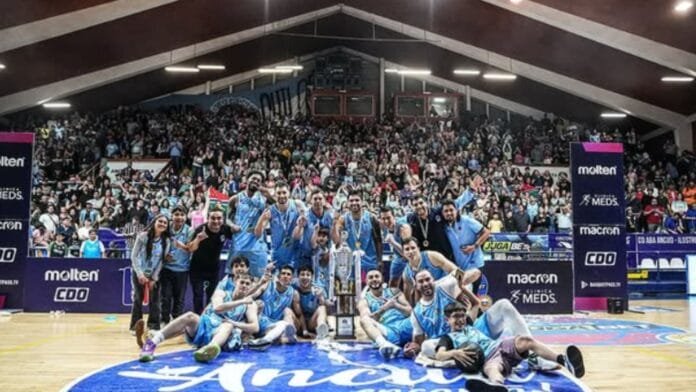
(534, 287)
(16, 150)
(599, 220)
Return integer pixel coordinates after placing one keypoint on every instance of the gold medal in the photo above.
(425, 243)
(357, 244)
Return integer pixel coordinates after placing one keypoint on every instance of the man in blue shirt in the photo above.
(363, 234)
(249, 205)
(174, 273)
(393, 232)
(466, 236)
(318, 216)
(283, 219)
(276, 319)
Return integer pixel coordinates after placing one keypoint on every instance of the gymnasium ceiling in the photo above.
(573, 58)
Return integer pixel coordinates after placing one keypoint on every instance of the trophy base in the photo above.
(345, 326)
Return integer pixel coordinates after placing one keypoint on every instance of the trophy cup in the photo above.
(342, 259)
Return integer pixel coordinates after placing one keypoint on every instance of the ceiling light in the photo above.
(515, 1)
(274, 70)
(439, 99)
(211, 66)
(472, 72)
(2, 66)
(414, 72)
(613, 115)
(682, 79)
(683, 6)
(182, 69)
(293, 67)
(391, 70)
(56, 105)
(499, 76)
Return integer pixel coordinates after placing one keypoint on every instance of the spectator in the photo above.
(654, 214)
(495, 225)
(92, 248)
(520, 220)
(58, 248)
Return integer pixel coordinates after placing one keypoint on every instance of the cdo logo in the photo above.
(71, 294)
(8, 255)
(599, 200)
(599, 230)
(597, 170)
(600, 259)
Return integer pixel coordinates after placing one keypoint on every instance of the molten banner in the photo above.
(16, 150)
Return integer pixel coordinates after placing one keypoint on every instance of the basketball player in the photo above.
(393, 232)
(417, 260)
(501, 319)
(384, 316)
(309, 305)
(283, 219)
(501, 356)
(225, 318)
(276, 319)
(363, 233)
(249, 205)
(318, 217)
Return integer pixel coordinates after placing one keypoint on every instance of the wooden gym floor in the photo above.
(41, 353)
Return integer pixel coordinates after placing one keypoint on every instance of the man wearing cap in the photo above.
(175, 270)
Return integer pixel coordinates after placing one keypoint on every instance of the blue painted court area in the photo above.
(300, 367)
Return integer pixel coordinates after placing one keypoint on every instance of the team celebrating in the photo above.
(425, 309)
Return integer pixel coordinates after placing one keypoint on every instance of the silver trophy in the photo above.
(342, 258)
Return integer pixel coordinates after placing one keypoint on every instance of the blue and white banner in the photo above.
(599, 220)
(16, 150)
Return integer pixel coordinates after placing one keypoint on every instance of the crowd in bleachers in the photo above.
(388, 160)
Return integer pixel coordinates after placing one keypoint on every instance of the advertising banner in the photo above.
(534, 287)
(16, 151)
(83, 286)
(599, 220)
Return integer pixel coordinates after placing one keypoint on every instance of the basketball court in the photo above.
(652, 351)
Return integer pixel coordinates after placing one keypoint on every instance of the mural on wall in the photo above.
(284, 98)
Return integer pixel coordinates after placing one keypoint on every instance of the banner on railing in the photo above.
(79, 285)
(16, 151)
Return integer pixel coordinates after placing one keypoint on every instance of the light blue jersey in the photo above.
(249, 210)
(92, 249)
(245, 243)
(462, 233)
(274, 302)
(425, 264)
(325, 221)
(395, 326)
(398, 263)
(374, 303)
(322, 273)
(309, 300)
(150, 265)
(285, 250)
(430, 317)
(210, 321)
(360, 231)
(473, 335)
(181, 259)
